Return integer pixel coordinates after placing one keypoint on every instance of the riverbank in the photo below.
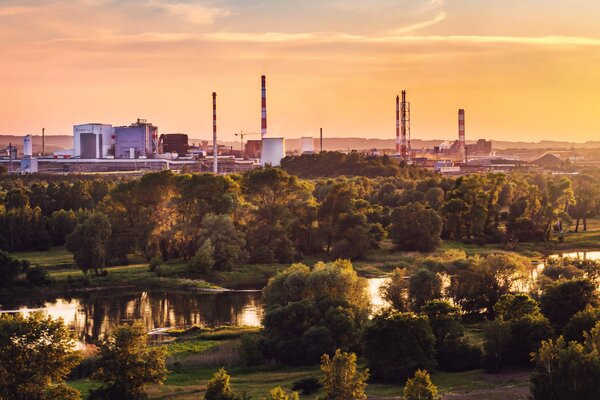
(175, 275)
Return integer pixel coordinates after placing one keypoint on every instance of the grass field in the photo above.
(195, 355)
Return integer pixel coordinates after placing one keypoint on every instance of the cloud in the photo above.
(192, 12)
(420, 25)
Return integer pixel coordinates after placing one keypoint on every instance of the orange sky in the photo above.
(523, 70)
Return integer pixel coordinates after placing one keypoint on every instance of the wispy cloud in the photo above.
(420, 25)
(192, 12)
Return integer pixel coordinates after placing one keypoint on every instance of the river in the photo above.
(93, 315)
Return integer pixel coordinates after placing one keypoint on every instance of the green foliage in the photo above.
(562, 300)
(155, 262)
(583, 321)
(567, 371)
(420, 387)
(204, 259)
(250, 349)
(60, 224)
(218, 387)
(341, 380)
(126, 365)
(515, 306)
(278, 394)
(310, 312)
(36, 355)
(227, 241)
(415, 228)
(397, 344)
(424, 286)
(11, 269)
(516, 333)
(453, 351)
(394, 290)
(88, 242)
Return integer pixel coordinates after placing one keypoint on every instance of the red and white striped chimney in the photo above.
(461, 130)
(398, 125)
(215, 146)
(263, 110)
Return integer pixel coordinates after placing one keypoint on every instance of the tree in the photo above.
(424, 286)
(564, 299)
(60, 224)
(515, 306)
(88, 242)
(341, 380)
(567, 371)
(397, 344)
(310, 312)
(204, 259)
(218, 387)
(415, 228)
(420, 387)
(452, 351)
(126, 365)
(227, 241)
(36, 355)
(11, 269)
(393, 289)
(583, 321)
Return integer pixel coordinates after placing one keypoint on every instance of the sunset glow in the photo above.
(523, 70)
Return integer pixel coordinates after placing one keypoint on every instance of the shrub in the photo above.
(420, 387)
(307, 386)
(154, 263)
(203, 261)
(38, 276)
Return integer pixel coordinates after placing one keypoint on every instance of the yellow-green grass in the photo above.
(190, 383)
(56, 256)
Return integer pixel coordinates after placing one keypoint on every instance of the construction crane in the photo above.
(241, 135)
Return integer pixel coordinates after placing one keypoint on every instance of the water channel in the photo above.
(93, 315)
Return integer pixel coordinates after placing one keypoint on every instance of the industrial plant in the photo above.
(139, 147)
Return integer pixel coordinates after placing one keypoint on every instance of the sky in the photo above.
(522, 69)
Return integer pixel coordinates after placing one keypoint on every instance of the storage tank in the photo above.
(27, 146)
(307, 144)
(273, 150)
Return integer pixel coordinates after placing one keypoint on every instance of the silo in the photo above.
(307, 145)
(27, 146)
(273, 150)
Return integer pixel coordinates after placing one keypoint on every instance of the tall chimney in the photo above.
(263, 109)
(321, 138)
(404, 119)
(398, 149)
(215, 146)
(461, 131)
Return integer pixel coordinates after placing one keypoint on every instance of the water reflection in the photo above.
(94, 315)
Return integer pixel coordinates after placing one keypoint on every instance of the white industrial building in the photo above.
(93, 140)
(273, 150)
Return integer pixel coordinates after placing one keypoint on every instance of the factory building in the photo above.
(173, 143)
(93, 140)
(136, 140)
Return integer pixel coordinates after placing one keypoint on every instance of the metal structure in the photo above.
(263, 109)
(398, 143)
(461, 132)
(405, 150)
(215, 146)
(321, 139)
(241, 135)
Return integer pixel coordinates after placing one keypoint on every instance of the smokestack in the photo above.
(43, 141)
(404, 120)
(321, 138)
(215, 147)
(398, 149)
(461, 130)
(263, 109)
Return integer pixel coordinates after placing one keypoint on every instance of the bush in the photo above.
(164, 271)
(154, 263)
(581, 322)
(564, 299)
(38, 276)
(420, 387)
(250, 349)
(415, 228)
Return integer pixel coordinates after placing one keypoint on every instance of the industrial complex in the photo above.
(139, 147)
